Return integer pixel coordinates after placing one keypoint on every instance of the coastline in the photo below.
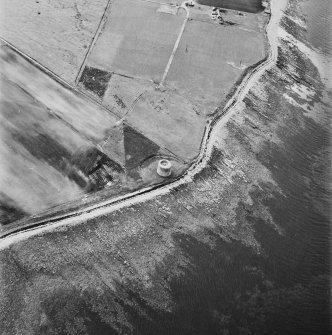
(177, 139)
(219, 119)
(243, 247)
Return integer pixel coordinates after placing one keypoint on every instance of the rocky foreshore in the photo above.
(243, 249)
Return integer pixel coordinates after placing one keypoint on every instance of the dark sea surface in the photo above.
(319, 24)
(230, 289)
(288, 290)
(242, 5)
(226, 287)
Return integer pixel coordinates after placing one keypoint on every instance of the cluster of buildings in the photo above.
(216, 15)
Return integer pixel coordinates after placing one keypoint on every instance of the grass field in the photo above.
(170, 121)
(28, 177)
(137, 39)
(49, 140)
(122, 93)
(81, 114)
(55, 33)
(211, 58)
(58, 144)
(135, 47)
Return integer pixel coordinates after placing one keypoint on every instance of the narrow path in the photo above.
(56, 77)
(94, 40)
(176, 45)
(149, 193)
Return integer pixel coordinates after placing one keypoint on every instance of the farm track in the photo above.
(94, 39)
(176, 45)
(16, 234)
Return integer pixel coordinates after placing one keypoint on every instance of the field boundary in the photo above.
(148, 193)
(94, 39)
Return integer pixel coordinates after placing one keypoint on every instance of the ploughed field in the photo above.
(49, 141)
(101, 100)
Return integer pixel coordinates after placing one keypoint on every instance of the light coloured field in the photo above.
(58, 144)
(84, 116)
(211, 58)
(137, 39)
(49, 139)
(122, 93)
(135, 47)
(55, 33)
(136, 44)
(170, 121)
(27, 176)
